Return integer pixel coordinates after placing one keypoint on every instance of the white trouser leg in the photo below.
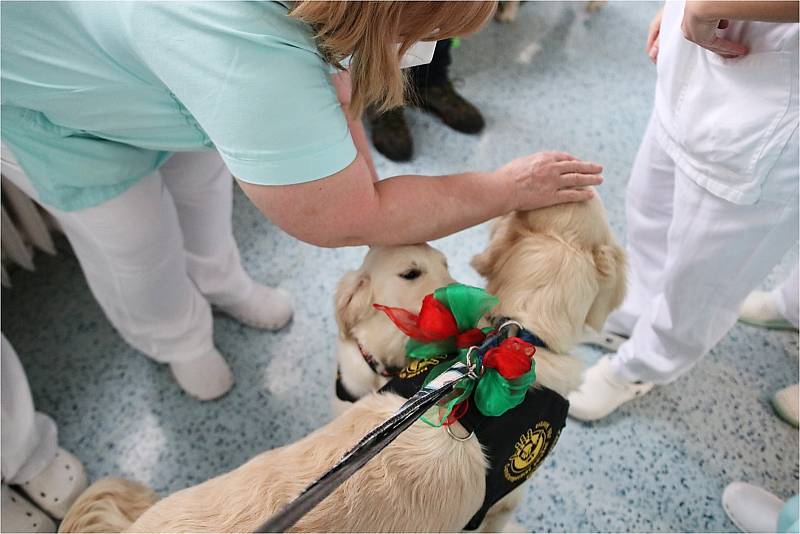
(648, 207)
(786, 295)
(29, 438)
(131, 251)
(717, 253)
(202, 189)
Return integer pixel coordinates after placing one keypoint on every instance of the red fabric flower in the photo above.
(470, 337)
(434, 322)
(512, 358)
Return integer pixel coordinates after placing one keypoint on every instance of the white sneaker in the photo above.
(752, 509)
(602, 392)
(206, 378)
(785, 403)
(266, 308)
(760, 309)
(18, 514)
(58, 485)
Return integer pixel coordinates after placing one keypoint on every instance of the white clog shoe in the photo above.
(58, 485)
(752, 509)
(18, 514)
(602, 392)
(761, 309)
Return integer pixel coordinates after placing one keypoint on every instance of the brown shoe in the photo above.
(390, 134)
(444, 102)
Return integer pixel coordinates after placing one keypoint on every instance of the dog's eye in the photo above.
(411, 274)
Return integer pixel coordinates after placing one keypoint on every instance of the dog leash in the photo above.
(381, 436)
(369, 446)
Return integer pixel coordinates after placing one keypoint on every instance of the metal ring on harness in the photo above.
(510, 322)
(452, 435)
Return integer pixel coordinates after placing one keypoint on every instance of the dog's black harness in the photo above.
(341, 392)
(542, 414)
(514, 443)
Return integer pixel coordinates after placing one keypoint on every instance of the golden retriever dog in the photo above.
(397, 491)
(555, 270)
(370, 349)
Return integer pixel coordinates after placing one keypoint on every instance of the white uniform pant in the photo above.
(157, 254)
(29, 439)
(786, 295)
(693, 258)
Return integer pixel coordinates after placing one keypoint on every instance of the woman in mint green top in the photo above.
(107, 91)
(107, 105)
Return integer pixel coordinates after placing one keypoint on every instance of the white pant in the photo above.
(786, 295)
(29, 439)
(693, 258)
(157, 254)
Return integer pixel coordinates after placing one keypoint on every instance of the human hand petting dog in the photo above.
(547, 178)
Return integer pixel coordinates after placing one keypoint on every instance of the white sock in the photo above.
(265, 307)
(206, 378)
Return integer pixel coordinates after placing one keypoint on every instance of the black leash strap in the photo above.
(369, 446)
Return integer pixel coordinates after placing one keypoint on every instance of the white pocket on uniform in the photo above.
(729, 111)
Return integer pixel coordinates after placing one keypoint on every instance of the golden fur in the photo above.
(403, 491)
(378, 281)
(555, 270)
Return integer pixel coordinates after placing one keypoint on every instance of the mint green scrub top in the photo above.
(97, 95)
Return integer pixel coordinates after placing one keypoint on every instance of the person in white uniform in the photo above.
(136, 250)
(712, 202)
(32, 463)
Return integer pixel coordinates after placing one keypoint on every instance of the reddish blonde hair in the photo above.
(370, 31)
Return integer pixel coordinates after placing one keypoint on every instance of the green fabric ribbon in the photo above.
(493, 393)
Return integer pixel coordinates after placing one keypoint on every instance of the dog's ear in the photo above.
(501, 239)
(353, 297)
(609, 260)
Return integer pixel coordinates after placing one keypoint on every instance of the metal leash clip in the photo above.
(471, 365)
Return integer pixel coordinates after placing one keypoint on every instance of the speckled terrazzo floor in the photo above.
(556, 78)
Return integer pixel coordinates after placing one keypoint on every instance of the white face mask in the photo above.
(420, 53)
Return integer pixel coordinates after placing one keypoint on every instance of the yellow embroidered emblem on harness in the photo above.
(417, 367)
(529, 451)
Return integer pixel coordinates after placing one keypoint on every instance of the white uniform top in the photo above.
(725, 121)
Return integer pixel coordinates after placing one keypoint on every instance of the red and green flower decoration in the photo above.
(447, 324)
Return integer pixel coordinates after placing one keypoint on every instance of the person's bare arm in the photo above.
(780, 11)
(348, 208)
(344, 88)
(702, 18)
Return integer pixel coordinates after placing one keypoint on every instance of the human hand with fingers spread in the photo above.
(547, 178)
